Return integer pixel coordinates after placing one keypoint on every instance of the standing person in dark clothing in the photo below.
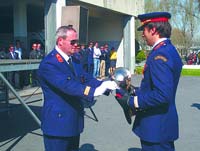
(90, 51)
(106, 49)
(156, 121)
(40, 51)
(3, 53)
(13, 76)
(34, 54)
(84, 57)
(65, 86)
(103, 59)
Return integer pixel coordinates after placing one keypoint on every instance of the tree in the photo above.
(184, 21)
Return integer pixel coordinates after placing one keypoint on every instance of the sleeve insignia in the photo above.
(160, 58)
(87, 90)
(59, 58)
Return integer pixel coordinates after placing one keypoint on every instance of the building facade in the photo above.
(105, 21)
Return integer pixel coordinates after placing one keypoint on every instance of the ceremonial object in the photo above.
(122, 77)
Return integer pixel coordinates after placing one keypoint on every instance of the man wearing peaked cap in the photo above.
(153, 17)
(156, 121)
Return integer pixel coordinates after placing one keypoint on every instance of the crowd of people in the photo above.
(97, 61)
(193, 58)
(20, 79)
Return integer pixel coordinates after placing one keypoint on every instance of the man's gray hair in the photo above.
(62, 31)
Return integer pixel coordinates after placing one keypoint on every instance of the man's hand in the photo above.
(122, 97)
(106, 85)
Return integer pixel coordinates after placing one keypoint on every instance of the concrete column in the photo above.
(129, 43)
(53, 9)
(59, 6)
(20, 22)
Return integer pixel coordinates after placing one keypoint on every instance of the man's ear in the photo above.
(153, 31)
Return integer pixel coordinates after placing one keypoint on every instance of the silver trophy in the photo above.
(122, 76)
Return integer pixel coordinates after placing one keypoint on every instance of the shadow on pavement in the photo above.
(197, 105)
(134, 149)
(18, 122)
(87, 147)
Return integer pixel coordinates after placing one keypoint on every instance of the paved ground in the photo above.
(19, 132)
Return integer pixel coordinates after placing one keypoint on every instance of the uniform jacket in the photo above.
(157, 119)
(90, 55)
(63, 90)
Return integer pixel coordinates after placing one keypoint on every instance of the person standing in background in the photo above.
(90, 51)
(106, 49)
(113, 60)
(84, 57)
(18, 49)
(103, 59)
(96, 59)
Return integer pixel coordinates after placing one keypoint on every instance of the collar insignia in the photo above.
(159, 45)
(59, 58)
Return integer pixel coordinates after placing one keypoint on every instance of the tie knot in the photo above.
(70, 60)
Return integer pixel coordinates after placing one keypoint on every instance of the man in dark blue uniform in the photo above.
(65, 85)
(156, 121)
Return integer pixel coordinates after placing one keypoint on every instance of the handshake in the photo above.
(122, 76)
(106, 86)
(121, 82)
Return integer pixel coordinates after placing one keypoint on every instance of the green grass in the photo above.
(190, 72)
(185, 72)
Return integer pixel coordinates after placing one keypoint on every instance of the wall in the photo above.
(129, 7)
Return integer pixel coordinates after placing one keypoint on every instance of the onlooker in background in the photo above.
(103, 59)
(77, 54)
(34, 54)
(13, 76)
(90, 51)
(40, 51)
(106, 49)
(113, 60)
(96, 59)
(198, 57)
(84, 57)
(18, 49)
(3, 53)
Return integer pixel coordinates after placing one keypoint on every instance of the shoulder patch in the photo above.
(160, 58)
(59, 58)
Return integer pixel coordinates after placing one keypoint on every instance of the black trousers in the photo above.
(55, 143)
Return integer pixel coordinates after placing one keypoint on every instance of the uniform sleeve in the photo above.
(64, 82)
(161, 84)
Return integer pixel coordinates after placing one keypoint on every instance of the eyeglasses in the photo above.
(73, 42)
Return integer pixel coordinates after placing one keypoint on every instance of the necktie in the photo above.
(70, 64)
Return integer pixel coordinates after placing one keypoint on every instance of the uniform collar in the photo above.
(160, 40)
(66, 57)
